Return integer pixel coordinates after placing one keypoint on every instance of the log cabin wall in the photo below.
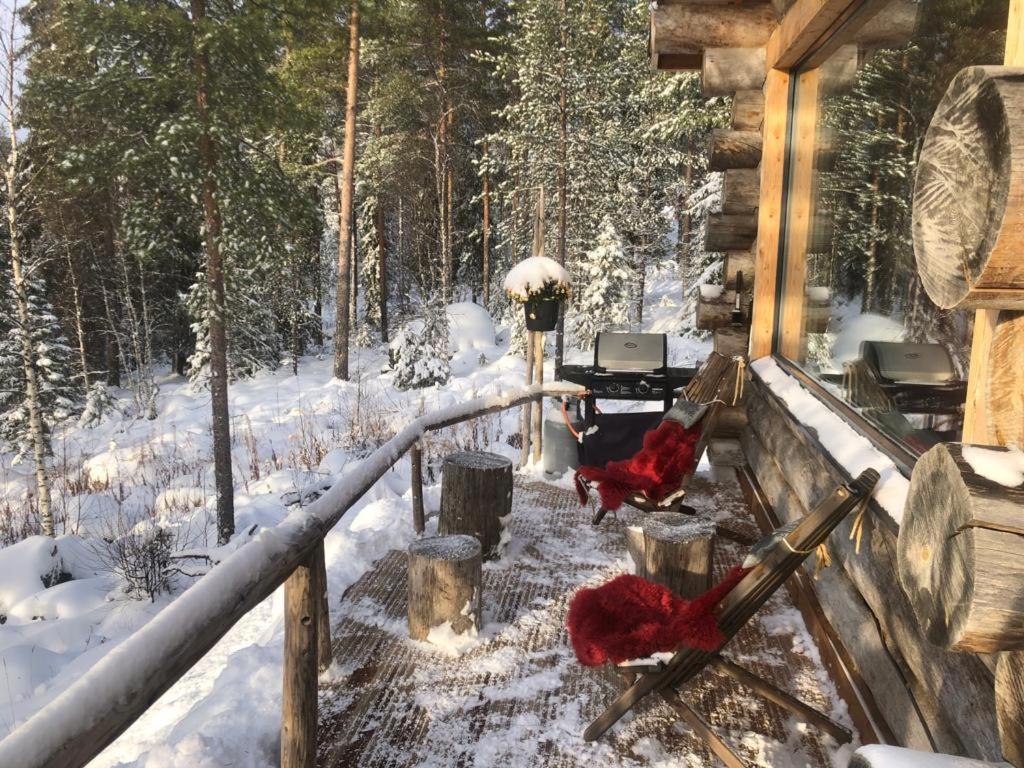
(926, 698)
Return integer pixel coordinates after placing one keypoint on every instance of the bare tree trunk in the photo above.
(32, 393)
(562, 160)
(382, 255)
(353, 271)
(443, 170)
(485, 265)
(215, 287)
(76, 297)
(348, 162)
(113, 352)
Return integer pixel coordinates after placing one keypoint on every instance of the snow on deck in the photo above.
(517, 696)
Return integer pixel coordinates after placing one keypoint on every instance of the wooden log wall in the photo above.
(931, 699)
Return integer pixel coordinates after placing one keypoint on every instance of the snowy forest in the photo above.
(218, 189)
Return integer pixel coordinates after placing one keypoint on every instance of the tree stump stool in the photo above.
(476, 493)
(445, 577)
(675, 550)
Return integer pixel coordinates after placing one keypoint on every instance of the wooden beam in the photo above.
(769, 212)
(807, 31)
(800, 212)
(692, 27)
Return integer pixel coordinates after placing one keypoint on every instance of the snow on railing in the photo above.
(86, 717)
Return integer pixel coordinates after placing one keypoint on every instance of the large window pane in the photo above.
(862, 323)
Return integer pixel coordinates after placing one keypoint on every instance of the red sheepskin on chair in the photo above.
(632, 618)
(656, 471)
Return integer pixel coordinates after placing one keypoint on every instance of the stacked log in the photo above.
(734, 149)
(716, 309)
(697, 27)
(727, 70)
(930, 698)
(748, 110)
(959, 551)
(730, 231)
(741, 191)
(737, 262)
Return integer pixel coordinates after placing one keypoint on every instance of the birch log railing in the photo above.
(92, 712)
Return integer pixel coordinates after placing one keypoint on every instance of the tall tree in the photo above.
(218, 362)
(13, 203)
(345, 195)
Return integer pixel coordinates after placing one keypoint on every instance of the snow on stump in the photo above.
(959, 547)
(476, 494)
(445, 577)
(674, 549)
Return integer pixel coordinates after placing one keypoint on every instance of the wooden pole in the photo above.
(299, 705)
(325, 654)
(524, 454)
(538, 407)
(416, 483)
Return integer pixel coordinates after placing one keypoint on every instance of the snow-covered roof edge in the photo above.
(850, 449)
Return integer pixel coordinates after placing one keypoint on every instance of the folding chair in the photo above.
(717, 383)
(778, 556)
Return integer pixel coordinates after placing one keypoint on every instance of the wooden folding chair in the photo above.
(716, 384)
(783, 552)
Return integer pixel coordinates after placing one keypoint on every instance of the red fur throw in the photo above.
(656, 471)
(632, 618)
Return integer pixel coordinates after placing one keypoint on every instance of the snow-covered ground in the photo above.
(290, 433)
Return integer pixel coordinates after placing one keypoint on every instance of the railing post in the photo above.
(302, 597)
(538, 407)
(527, 412)
(416, 482)
(324, 652)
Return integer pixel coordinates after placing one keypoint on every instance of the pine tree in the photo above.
(419, 352)
(52, 358)
(605, 294)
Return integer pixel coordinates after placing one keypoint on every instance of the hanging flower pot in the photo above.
(540, 284)
(541, 314)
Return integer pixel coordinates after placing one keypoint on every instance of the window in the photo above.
(854, 315)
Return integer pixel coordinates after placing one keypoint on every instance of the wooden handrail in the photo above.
(86, 717)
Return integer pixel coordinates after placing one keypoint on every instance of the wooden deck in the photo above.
(519, 698)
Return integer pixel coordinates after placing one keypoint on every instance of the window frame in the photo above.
(796, 215)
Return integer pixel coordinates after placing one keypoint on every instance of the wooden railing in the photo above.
(91, 713)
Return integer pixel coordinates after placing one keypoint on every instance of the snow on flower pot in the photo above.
(540, 284)
(541, 314)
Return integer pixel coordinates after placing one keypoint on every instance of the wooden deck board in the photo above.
(519, 698)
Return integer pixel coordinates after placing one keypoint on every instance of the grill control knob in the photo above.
(643, 388)
(613, 388)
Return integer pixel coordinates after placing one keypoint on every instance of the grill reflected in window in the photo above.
(854, 313)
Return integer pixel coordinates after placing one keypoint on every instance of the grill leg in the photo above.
(599, 516)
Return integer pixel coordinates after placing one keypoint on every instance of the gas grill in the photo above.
(627, 366)
(630, 366)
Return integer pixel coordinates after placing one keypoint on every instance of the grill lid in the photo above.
(910, 363)
(630, 351)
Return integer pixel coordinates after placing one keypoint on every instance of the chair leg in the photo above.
(703, 729)
(785, 700)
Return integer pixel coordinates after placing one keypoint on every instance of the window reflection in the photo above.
(867, 329)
